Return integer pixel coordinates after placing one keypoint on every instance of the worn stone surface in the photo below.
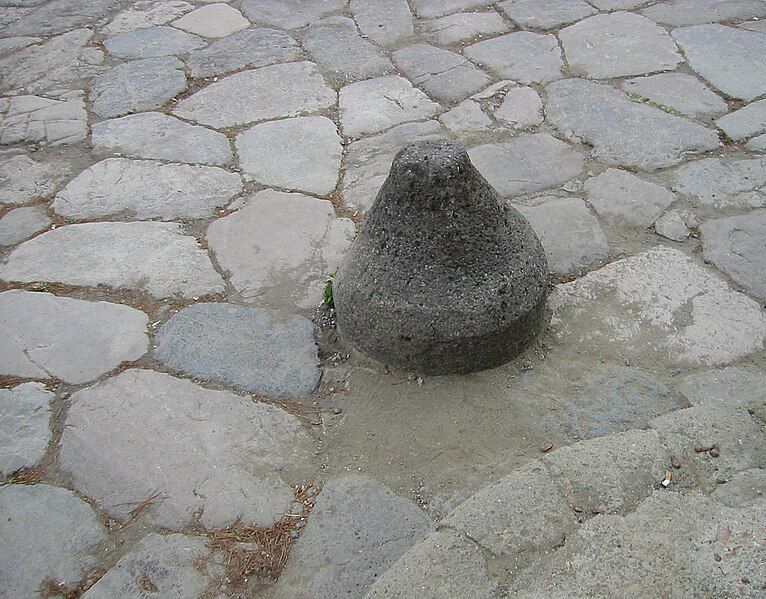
(246, 454)
(546, 14)
(47, 121)
(523, 56)
(301, 153)
(24, 426)
(744, 122)
(521, 108)
(733, 386)
(9, 44)
(22, 223)
(672, 226)
(280, 247)
(730, 182)
(463, 26)
(757, 144)
(623, 132)
(147, 13)
(23, 179)
(357, 530)
(467, 117)
(288, 14)
(697, 12)
(59, 16)
(437, 8)
(679, 91)
(386, 22)
(152, 42)
(213, 20)
(156, 258)
(245, 347)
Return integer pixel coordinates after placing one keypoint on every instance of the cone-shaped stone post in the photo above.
(444, 277)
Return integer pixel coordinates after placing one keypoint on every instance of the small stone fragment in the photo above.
(466, 117)
(47, 121)
(152, 42)
(675, 462)
(22, 223)
(672, 226)
(714, 451)
(521, 108)
(24, 426)
(213, 20)
(546, 447)
(523, 56)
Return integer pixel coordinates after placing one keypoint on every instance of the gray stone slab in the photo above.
(466, 118)
(463, 27)
(213, 20)
(206, 452)
(152, 42)
(60, 16)
(437, 8)
(697, 12)
(47, 121)
(24, 426)
(386, 22)
(260, 94)
(623, 132)
(672, 226)
(521, 108)
(22, 223)
(745, 122)
(163, 137)
(288, 14)
(523, 56)
(156, 258)
(546, 14)
(679, 91)
(731, 182)
(735, 386)
(146, 14)
(757, 144)
(22, 179)
(245, 347)
(10, 44)
(617, 4)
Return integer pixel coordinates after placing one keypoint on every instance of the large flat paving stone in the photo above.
(46, 533)
(523, 56)
(60, 16)
(146, 189)
(729, 182)
(207, 453)
(736, 386)
(24, 426)
(156, 258)
(463, 27)
(152, 42)
(22, 223)
(54, 121)
(270, 92)
(213, 20)
(438, 8)
(288, 14)
(679, 91)
(23, 179)
(697, 12)
(68, 339)
(623, 132)
(522, 108)
(146, 14)
(743, 123)
(546, 14)
(241, 346)
(280, 247)
(386, 22)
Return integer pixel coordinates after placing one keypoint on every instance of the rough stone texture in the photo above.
(157, 135)
(527, 163)
(147, 13)
(246, 455)
(24, 426)
(570, 234)
(546, 14)
(59, 16)
(22, 179)
(744, 122)
(697, 12)
(280, 247)
(46, 532)
(146, 189)
(679, 91)
(436, 8)
(731, 60)
(22, 223)
(260, 94)
(733, 386)
(213, 20)
(377, 104)
(521, 108)
(737, 245)
(245, 347)
(251, 48)
(757, 144)
(405, 300)
(467, 117)
(356, 531)
(729, 182)
(156, 258)
(746, 489)
(443, 74)
(522, 56)
(624, 200)
(137, 85)
(68, 339)
(152, 42)
(672, 226)
(463, 26)
(617, 4)
(623, 132)
(9, 44)
(386, 22)
(47, 121)
(653, 291)
(289, 14)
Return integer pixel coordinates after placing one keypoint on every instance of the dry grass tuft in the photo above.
(139, 508)
(26, 476)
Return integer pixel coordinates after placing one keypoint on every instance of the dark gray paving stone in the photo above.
(386, 22)
(522, 108)
(152, 42)
(679, 91)
(288, 14)
(523, 56)
(697, 12)
(546, 14)
(24, 426)
(22, 223)
(723, 182)
(438, 8)
(745, 122)
(672, 226)
(60, 16)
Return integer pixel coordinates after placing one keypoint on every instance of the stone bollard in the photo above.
(444, 276)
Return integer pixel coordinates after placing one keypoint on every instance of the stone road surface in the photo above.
(179, 177)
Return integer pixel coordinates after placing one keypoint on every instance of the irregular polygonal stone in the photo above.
(24, 426)
(245, 347)
(22, 223)
(47, 121)
(22, 179)
(9, 44)
(157, 135)
(288, 14)
(623, 132)
(146, 189)
(546, 14)
(759, 26)
(152, 42)
(679, 91)
(204, 451)
(69, 339)
(386, 22)
(213, 20)
(437, 8)
(617, 4)
(745, 489)
(757, 144)
(464, 26)
(280, 248)
(624, 200)
(527, 163)
(377, 104)
(466, 117)
(260, 94)
(46, 533)
(522, 56)
(521, 108)
(147, 13)
(731, 60)
(734, 386)
(723, 182)
(658, 305)
(250, 48)
(672, 226)
(697, 12)
(59, 16)
(301, 153)
(145, 256)
(744, 122)
(357, 530)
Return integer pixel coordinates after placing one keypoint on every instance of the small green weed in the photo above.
(327, 298)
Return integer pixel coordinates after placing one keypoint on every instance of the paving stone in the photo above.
(386, 22)
(617, 4)
(22, 223)
(679, 91)
(146, 189)
(213, 21)
(697, 12)
(136, 86)
(245, 347)
(24, 426)
(46, 121)
(10, 14)
(546, 14)
(623, 132)
(521, 108)
(60, 16)
(757, 144)
(527, 163)
(677, 311)
(745, 489)
(251, 48)
(730, 182)
(735, 386)
(463, 26)
(443, 74)
(301, 153)
(737, 245)
(73, 340)
(624, 200)
(732, 60)
(157, 135)
(759, 26)
(428, 9)
(270, 92)
(522, 56)
(357, 530)
(466, 117)
(672, 226)
(156, 258)
(377, 104)
(289, 14)
(22, 179)
(46, 533)
(147, 13)
(11, 44)
(745, 122)
(152, 42)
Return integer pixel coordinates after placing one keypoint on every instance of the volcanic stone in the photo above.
(464, 26)
(24, 432)
(444, 277)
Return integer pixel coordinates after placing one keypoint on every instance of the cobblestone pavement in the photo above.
(177, 413)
